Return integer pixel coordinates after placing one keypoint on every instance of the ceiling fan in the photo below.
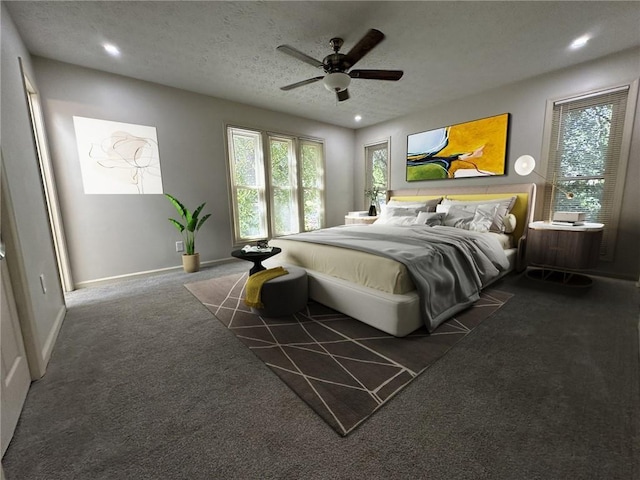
(336, 65)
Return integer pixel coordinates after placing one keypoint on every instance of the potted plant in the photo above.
(373, 193)
(192, 223)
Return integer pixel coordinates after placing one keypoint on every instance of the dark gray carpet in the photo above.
(144, 384)
(342, 368)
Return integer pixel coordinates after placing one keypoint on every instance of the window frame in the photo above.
(611, 228)
(369, 150)
(233, 185)
(265, 137)
(268, 138)
(300, 142)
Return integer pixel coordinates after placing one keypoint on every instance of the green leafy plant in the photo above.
(192, 223)
(373, 193)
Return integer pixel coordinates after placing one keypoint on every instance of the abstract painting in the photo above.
(471, 149)
(117, 158)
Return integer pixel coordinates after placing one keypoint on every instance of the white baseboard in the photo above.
(47, 348)
(146, 273)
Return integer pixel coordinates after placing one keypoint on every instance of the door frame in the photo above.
(19, 374)
(48, 181)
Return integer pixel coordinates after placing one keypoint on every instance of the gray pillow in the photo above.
(418, 205)
(505, 204)
(430, 205)
(477, 218)
(429, 218)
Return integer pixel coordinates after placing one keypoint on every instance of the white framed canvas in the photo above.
(118, 158)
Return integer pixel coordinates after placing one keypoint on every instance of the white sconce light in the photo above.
(524, 166)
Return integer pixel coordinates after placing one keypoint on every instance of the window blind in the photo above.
(584, 158)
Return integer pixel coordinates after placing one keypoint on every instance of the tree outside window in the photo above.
(312, 176)
(377, 173)
(585, 158)
(275, 194)
(248, 186)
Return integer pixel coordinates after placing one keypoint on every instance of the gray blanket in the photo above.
(449, 266)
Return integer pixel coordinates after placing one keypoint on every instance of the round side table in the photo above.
(256, 258)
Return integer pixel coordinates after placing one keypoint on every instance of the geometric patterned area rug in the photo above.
(343, 369)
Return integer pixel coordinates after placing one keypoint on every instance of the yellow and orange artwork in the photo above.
(471, 149)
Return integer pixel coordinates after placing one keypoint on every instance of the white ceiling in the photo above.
(228, 49)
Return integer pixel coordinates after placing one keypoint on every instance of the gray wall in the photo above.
(526, 102)
(25, 226)
(115, 235)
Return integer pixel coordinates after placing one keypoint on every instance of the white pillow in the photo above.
(406, 210)
(510, 223)
(483, 218)
(505, 204)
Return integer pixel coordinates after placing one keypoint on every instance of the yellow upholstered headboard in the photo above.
(523, 208)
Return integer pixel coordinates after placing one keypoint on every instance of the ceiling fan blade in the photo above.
(372, 38)
(299, 55)
(377, 74)
(343, 95)
(303, 82)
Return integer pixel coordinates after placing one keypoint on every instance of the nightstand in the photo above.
(256, 258)
(353, 219)
(559, 250)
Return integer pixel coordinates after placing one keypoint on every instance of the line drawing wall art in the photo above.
(118, 158)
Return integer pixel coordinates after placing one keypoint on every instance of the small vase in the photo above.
(372, 210)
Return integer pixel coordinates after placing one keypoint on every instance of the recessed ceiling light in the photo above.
(580, 41)
(111, 49)
(357, 118)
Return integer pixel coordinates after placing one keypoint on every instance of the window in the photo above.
(587, 157)
(312, 184)
(284, 186)
(377, 170)
(277, 190)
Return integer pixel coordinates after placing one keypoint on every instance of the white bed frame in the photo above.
(399, 315)
(395, 314)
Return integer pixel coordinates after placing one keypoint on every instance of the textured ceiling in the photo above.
(228, 49)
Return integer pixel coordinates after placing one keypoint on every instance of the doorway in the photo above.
(48, 184)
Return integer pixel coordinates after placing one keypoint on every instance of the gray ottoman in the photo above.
(284, 295)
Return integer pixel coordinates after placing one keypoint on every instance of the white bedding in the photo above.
(361, 268)
(449, 266)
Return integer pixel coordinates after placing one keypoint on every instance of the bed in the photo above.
(399, 274)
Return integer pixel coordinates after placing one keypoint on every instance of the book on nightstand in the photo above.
(570, 217)
(568, 224)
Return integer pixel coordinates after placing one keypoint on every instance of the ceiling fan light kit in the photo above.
(336, 66)
(336, 82)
